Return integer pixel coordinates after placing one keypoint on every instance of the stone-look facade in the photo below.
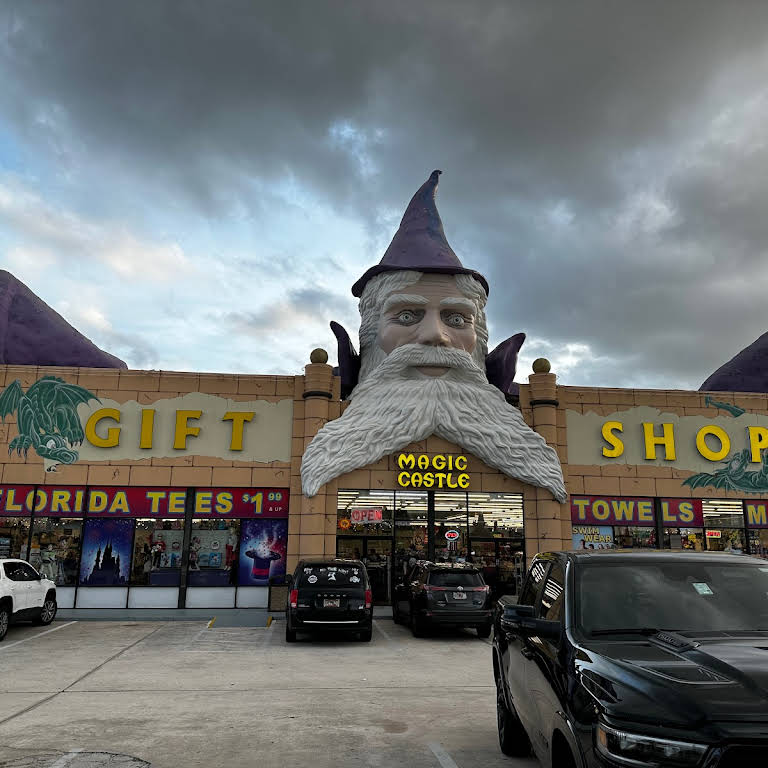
(316, 400)
(626, 479)
(147, 388)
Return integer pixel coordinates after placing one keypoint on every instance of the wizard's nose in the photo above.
(432, 331)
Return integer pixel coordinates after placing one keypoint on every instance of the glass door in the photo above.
(450, 528)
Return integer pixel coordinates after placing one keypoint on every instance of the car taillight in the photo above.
(368, 598)
(294, 598)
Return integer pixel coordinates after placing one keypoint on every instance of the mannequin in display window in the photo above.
(48, 564)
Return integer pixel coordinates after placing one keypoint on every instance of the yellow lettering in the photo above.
(450, 483)
(617, 446)
(60, 501)
(601, 510)
(460, 463)
(41, 499)
(79, 495)
(703, 448)
(120, 504)
(645, 511)
(438, 462)
(416, 480)
(758, 440)
(183, 430)
(623, 510)
(203, 502)
(404, 479)
(581, 508)
(97, 501)
(667, 439)
(423, 462)
(113, 433)
(463, 481)
(176, 502)
(154, 501)
(406, 461)
(224, 502)
(11, 505)
(756, 514)
(147, 427)
(238, 419)
(686, 511)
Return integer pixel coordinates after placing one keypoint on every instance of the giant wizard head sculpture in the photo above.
(424, 367)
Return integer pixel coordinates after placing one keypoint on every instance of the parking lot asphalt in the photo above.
(170, 694)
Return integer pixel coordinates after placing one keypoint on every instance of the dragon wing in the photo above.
(58, 401)
(10, 398)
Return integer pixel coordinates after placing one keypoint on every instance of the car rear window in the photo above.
(455, 579)
(324, 575)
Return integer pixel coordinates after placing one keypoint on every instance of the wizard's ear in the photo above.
(501, 364)
(349, 360)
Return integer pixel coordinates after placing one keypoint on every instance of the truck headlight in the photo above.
(635, 749)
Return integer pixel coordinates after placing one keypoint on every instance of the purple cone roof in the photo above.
(31, 333)
(420, 243)
(746, 372)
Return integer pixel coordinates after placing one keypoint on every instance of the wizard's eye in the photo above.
(455, 320)
(407, 317)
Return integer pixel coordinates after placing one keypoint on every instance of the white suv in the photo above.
(24, 594)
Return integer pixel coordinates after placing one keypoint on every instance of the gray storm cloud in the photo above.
(605, 159)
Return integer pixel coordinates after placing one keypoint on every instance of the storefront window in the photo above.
(106, 557)
(724, 526)
(56, 548)
(14, 533)
(684, 539)
(411, 534)
(758, 543)
(157, 550)
(212, 561)
(451, 527)
(495, 515)
(262, 552)
(365, 513)
(630, 537)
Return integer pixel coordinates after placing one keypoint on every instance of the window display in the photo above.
(157, 550)
(758, 543)
(630, 537)
(14, 533)
(684, 539)
(56, 548)
(263, 545)
(106, 553)
(212, 553)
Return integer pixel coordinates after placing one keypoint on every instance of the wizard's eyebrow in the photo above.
(400, 299)
(458, 303)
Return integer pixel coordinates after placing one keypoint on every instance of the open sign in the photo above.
(452, 535)
(361, 516)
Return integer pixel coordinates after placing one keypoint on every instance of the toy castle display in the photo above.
(106, 570)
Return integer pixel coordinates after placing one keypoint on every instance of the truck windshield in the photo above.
(692, 596)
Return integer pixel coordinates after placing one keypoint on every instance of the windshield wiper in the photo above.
(627, 631)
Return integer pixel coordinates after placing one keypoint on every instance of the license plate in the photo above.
(331, 602)
(459, 595)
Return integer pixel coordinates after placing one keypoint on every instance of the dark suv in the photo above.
(443, 594)
(636, 659)
(329, 595)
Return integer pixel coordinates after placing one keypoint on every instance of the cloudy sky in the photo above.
(196, 185)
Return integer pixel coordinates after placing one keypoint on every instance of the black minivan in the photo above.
(329, 596)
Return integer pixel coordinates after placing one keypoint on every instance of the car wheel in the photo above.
(417, 626)
(513, 739)
(5, 620)
(47, 612)
(290, 634)
(484, 631)
(366, 635)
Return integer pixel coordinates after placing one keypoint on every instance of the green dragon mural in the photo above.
(734, 410)
(734, 476)
(47, 419)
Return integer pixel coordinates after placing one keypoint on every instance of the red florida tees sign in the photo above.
(635, 511)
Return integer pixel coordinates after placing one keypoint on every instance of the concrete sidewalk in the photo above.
(179, 694)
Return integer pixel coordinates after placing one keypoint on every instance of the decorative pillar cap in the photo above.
(318, 355)
(541, 365)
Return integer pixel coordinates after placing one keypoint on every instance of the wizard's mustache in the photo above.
(415, 355)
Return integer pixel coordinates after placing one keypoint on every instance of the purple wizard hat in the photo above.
(420, 244)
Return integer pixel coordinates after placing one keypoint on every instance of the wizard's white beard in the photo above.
(396, 405)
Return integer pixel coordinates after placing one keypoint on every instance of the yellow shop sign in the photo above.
(438, 471)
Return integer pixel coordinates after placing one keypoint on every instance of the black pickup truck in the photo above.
(630, 659)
